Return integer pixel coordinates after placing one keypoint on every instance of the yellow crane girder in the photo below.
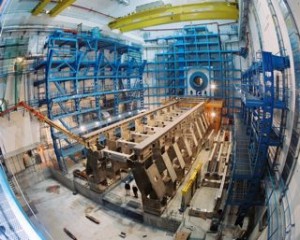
(40, 7)
(171, 14)
(60, 7)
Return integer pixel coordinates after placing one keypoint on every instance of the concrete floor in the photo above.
(202, 199)
(120, 197)
(61, 209)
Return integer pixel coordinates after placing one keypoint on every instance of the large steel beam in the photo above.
(171, 14)
(93, 136)
(138, 149)
(39, 8)
(60, 7)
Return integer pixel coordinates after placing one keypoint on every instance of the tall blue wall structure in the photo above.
(90, 80)
(196, 62)
(255, 131)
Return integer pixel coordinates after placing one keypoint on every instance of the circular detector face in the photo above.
(198, 81)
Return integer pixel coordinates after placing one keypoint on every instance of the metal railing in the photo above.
(14, 222)
(280, 220)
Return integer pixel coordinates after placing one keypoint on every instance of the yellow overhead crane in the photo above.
(170, 14)
(59, 7)
(40, 7)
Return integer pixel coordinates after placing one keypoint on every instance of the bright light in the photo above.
(19, 59)
(109, 119)
(213, 114)
(97, 123)
(119, 116)
(213, 86)
(117, 31)
(130, 113)
(82, 128)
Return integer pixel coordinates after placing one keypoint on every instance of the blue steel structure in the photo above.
(87, 75)
(194, 47)
(261, 96)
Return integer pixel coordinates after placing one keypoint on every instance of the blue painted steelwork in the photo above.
(192, 49)
(258, 95)
(87, 74)
(198, 86)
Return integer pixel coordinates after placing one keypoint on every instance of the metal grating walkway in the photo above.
(242, 159)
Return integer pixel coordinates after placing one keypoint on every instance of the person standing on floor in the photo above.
(135, 191)
(127, 188)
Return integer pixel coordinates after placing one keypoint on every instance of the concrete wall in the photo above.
(261, 26)
(295, 8)
(162, 223)
(32, 176)
(18, 133)
(291, 78)
(293, 194)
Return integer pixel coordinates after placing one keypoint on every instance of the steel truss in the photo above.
(260, 97)
(195, 47)
(89, 79)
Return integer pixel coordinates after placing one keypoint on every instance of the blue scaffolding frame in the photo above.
(194, 47)
(260, 96)
(85, 75)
